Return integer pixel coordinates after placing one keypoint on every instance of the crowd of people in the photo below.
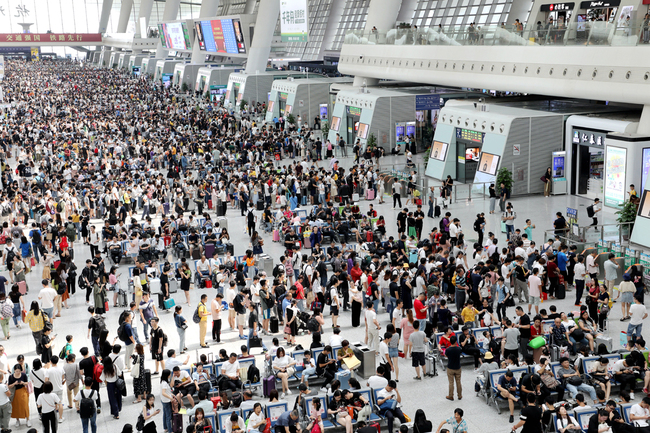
(96, 161)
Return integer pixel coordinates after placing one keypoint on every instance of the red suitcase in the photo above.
(22, 287)
(369, 237)
(210, 204)
(208, 284)
(167, 240)
(215, 401)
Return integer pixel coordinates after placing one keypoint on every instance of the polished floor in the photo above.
(428, 394)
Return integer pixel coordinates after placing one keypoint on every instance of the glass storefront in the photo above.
(589, 154)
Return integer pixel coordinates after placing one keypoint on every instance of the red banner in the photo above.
(45, 38)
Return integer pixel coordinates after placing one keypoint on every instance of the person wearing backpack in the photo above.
(85, 400)
(6, 313)
(37, 241)
(70, 231)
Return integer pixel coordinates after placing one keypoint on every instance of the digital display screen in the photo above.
(469, 135)
(644, 207)
(161, 34)
(558, 166)
(472, 153)
(323, 111)
(270, 106)
(336, 123)
(439, 150)
(174, 36)
(199, 34)
(223, 36)
(354, 111)
(363, 130)
(489, 163)
(615, 175)
(410, 129)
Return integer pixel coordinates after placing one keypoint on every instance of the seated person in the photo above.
(179, 243)
(309, 367)
(230, 370)
(509, 390)
(572, 381)
(194, 241)
(115, 250)
(326, 366)
(158, 245)
(387, 400)
(559, 334)
(201, 378)
(183, 385)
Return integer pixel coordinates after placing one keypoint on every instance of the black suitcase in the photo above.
(221, 208)
(274, 325)
(436, 211)
(147, 380)
(177, 423)
(196, 254)
(560, 292)
(260, 205)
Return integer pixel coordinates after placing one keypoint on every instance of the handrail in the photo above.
(584, 33)
(582, 237)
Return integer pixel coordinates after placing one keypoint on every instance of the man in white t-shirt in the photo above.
(637, 314)
(378, 381)
(231, 370)
(46, 296)
(372, 327)
(54, 375)
(534, 290)
(640, 413)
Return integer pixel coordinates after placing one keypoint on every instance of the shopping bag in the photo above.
(106, 306)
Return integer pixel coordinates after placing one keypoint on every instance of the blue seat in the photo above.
(213, 419)
(496, 331)
(274, 410)
(327, 421)
(583, 415)
(367, 393)
(494, 376)
(478, 334)
(247, 363)
(222, 416)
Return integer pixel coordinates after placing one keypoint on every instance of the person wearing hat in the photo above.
(488, 364)
(627, 290)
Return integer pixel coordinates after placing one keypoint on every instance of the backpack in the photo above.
(99, 324)
(270, 302)
(328, 295)
(313, 325)
(36, 236)
(87, 405)
(237, 304)
(590, 211)
(277, 270)
(59, 207)
(196, 318)
(121, 332)
(98, 369)
(71, 231)
(7, 310)
(165, 340)
(11, 254)
(253, 374)
(62, 352)
(477, 226)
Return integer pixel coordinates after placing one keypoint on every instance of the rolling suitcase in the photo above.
(166, 208)
(210, 204)
(430, 365)
(274, 325)
(260, 205)
(223, 222)
(370, 194)
(169, 303)
(344, 378)
(355, 197)
(173, 286)
(196, 254)
(122, 300)
(268, 385)
(147, 380)
(606, 340)
(221, 208)
(22, 287)
(177, 423)
(560, 291)
(436, 211)
(276, 235)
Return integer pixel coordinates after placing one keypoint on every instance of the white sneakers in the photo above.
(61, 420)
(289, 392)
(323, 389)
(29, 424)
(282, 395)
(631, 396)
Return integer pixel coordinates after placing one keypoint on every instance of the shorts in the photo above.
(393, 352)
(232, 313)
(417, 359)
(241, 320)
(334, 311)
(157, 356)
(535, 300)
(266, 314)
(185, 390)
(59, 393)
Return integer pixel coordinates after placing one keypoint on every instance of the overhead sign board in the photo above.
(557, 7)
(599, 4)
(294, 22)
(427, 102)
(45, 38)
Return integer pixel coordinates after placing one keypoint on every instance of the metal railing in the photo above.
(615, 233)
(583, 33)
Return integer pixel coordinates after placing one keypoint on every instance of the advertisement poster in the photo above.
(558, 166)
(336, 123)
(400, 129)
(615, 176)
(410, 129)
(363, 131)
(175, 36)
(323, 111)
(646, 167)
(439, 150)
(294, 24)
(489, 163)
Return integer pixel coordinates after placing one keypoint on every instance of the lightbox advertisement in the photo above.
(294, 24)
(615, 176)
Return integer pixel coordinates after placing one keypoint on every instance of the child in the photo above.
(67, 349)
(47, 263)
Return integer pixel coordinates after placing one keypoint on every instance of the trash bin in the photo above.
(368, 365)
(265, 263)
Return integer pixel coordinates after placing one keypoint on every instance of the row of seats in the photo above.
(582, 416)
(496, 332)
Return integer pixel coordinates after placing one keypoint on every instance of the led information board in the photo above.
(469, 135)
(221, 36)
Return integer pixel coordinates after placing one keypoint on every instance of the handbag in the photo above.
(255, 341)
(30, 387)
(543, 179)
(574, 380)
(139, 425)
(287, 329)
(388, 404)
(267, 427)
(120, 384)
(549, 381)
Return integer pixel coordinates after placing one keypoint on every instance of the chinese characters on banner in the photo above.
(294, 23)
(45, 38)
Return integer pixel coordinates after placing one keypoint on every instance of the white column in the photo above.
(335, 13)
(208, 9)
(267, 19)
(107, 5)
(406, 11)
(519, 11)
(644, 122)
(382, 14)
(144, 12)
(169, 14)
(125, 14)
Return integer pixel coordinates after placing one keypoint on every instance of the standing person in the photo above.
(453, 353)
(110, 375)
(49, 403)
(156, 344)
(479, 227)
(534, 290)
(596, 207)
(85, 400)
(611, 272)
(457, 423)
(181, 326)
(372, 327)
(397, 194)
(531, 417)
(253, 325)
(418, 339)
(493, 197)
(592, 266)
(508, 217)
(638, 314)
(627, 290)
(20, 404)
(166, 396)
(72, 376)
(503, 196)
(5, 406)
(203, 324)
(547, 182)
(579, 272)
(432, 201)
(215, 308)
